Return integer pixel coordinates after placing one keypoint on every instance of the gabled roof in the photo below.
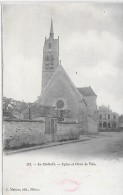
(61, 69)
(86, 91)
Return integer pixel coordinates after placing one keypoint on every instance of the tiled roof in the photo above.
(86, 91)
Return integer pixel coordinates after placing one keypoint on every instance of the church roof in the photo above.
(61, 69)
(86, 91)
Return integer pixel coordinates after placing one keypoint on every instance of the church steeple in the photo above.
(51, 29)
(50, 57)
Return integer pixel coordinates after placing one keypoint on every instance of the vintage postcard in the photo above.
(62, 104)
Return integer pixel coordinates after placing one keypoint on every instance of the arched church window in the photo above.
(49, 45)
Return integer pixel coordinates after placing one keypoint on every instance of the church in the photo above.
(58, 90)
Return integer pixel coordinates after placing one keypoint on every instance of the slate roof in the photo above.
(86, 91)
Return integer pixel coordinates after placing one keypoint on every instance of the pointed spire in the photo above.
(51, 29)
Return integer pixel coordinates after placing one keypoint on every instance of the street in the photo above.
(93, 166)
(105, 145)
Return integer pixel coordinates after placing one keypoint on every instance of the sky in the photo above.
(91, 48)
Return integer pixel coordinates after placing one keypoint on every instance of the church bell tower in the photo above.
(50, 57)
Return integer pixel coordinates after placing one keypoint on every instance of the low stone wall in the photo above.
(15, 128)
(26, 141)
(18, 134)
(67, 128)
(67, 131)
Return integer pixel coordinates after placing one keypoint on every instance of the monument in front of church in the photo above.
(72, 104)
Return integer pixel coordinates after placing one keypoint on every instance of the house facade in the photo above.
(121, 122)
(108, 120)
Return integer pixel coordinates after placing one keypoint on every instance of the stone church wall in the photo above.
(66, 93)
